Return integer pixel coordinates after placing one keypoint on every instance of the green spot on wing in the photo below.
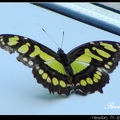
(89, 53)
(13, 40)
(24, 48)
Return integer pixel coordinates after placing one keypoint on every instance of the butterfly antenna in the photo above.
(50, 37)
(62, 40)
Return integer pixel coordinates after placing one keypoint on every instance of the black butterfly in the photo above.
(83, 70)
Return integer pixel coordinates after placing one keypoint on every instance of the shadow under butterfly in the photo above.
(84, 70)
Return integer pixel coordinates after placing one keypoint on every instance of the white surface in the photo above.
(19, 91)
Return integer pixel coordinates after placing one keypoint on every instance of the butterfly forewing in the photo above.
(47, 68)
(91, 63)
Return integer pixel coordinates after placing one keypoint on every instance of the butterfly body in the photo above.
(66, 63)
(85, 69)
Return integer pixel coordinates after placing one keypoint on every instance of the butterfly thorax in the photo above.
(65, 61)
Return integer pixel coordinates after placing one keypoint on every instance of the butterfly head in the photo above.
(60, 51)
(62, 56)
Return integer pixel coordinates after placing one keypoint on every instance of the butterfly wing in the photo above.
(45, 64)
(91, 63)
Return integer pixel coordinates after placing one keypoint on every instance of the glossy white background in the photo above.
(19, 91)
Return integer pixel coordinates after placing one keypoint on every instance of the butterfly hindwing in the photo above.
(51, 80)
(91, 63)
(47, 68)
(94, 79)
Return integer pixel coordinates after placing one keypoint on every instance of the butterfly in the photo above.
(84, 70)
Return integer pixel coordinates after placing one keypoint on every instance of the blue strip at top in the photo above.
(80, 17)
